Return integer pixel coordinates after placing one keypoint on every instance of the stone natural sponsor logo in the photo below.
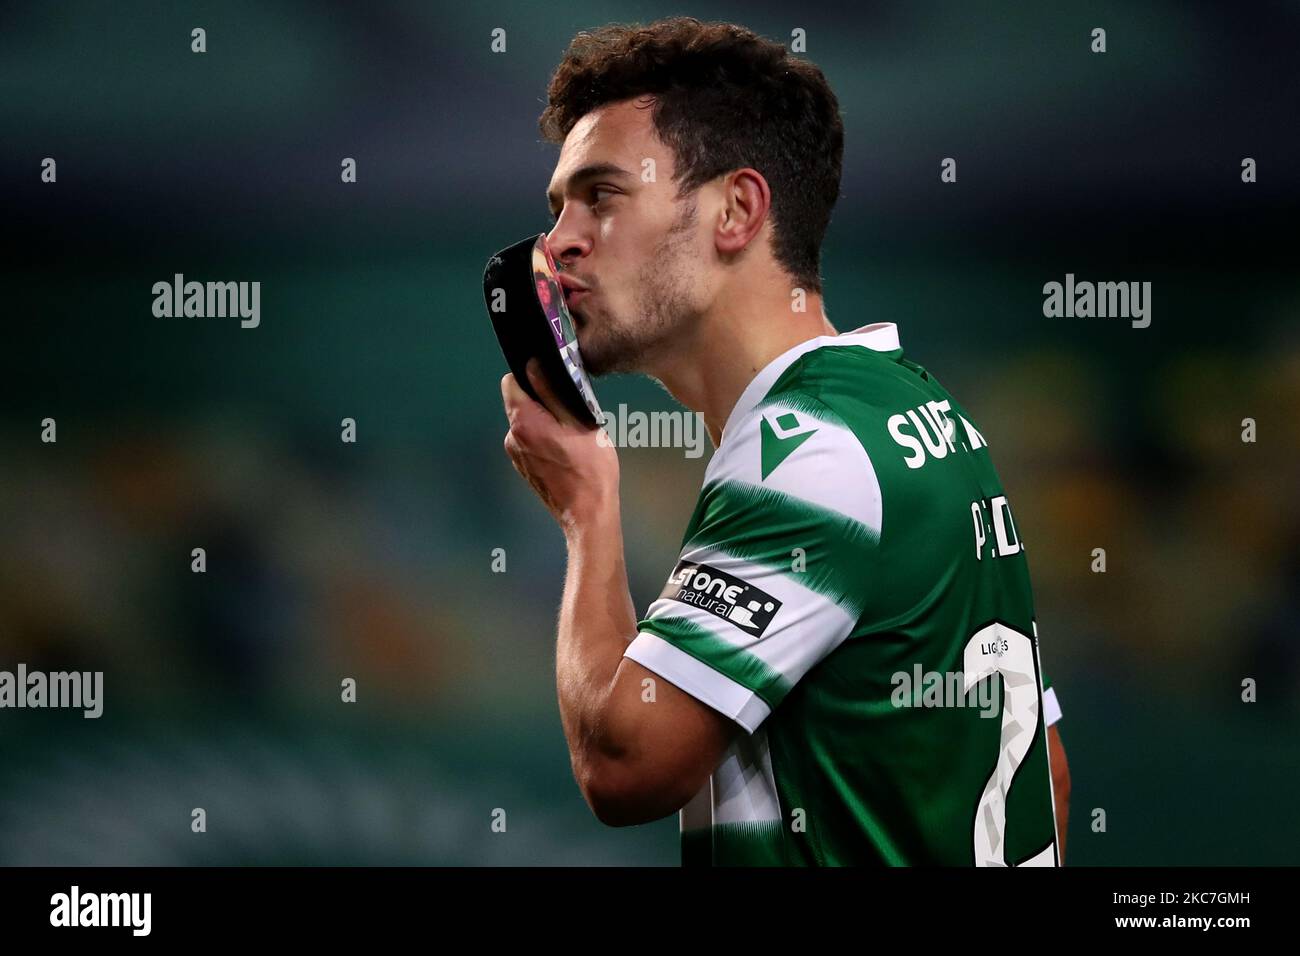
(725, 595)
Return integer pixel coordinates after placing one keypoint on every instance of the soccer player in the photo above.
(843, 666)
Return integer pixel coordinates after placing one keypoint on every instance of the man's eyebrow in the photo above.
(581, 175)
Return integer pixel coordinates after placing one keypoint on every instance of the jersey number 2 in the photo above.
(999, 649)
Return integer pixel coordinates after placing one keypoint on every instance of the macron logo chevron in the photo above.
(780, 435)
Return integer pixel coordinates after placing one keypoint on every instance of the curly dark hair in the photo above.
(725, 99)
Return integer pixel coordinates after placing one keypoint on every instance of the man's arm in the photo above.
(640, 747)
(1060, 784)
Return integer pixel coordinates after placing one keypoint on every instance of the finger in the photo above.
(511, 445)
(513, 396)
(548, 396)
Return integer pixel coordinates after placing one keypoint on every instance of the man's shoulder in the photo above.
(847, 382)
(844, 393)
(827, 429)
(798, 446)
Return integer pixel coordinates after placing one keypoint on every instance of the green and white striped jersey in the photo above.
(852, 590)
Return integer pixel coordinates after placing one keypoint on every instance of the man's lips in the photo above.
(574, 289)
(571, 285)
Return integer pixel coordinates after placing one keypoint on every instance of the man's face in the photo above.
(637, 248)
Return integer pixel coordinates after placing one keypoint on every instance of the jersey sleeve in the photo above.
(1051, 707)
(765, 585)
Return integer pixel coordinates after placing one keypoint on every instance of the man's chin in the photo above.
(593, 365)
(603, 353)
(597, 361)
(592, 360)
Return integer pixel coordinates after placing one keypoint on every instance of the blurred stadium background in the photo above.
(373, 560)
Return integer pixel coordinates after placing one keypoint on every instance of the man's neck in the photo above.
(710, 370)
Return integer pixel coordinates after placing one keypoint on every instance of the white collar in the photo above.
(880, 336)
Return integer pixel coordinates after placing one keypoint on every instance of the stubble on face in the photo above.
(663, 306)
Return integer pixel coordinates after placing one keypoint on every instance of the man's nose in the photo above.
(567, 243)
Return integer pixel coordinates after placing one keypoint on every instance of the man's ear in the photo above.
(747, 201)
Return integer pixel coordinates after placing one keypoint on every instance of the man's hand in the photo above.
(571, 465)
